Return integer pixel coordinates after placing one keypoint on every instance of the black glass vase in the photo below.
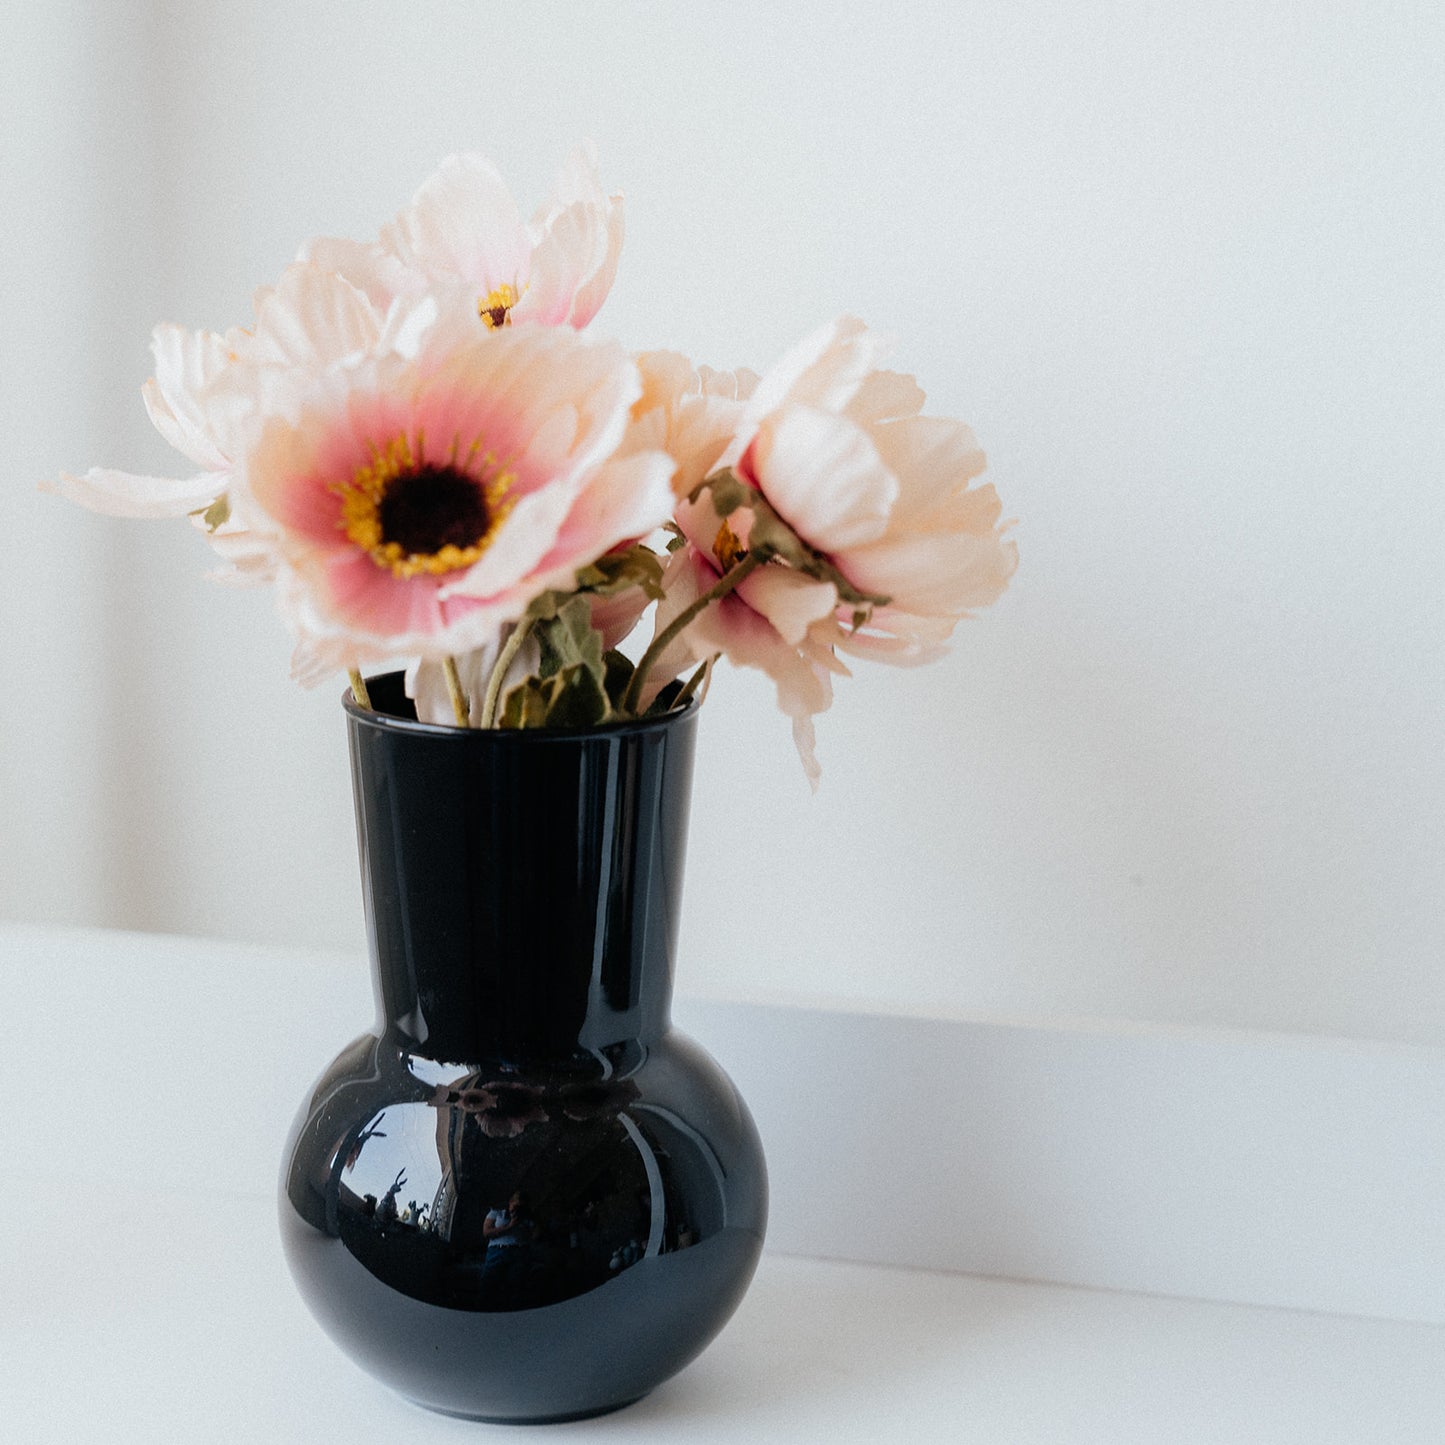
(525, 1196)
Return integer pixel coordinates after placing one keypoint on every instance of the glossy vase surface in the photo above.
(525, 1196)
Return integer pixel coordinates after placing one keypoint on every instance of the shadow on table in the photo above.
(814, 1328)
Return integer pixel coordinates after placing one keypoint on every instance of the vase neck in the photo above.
(522, 890)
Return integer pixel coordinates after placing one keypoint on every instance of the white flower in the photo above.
(463, 236)
(207, 387)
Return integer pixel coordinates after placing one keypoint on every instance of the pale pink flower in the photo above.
(798, 665)
(206, 388)
(839, 451)
(418, 504)
(462, 235)
(186, 364)
(691, 413)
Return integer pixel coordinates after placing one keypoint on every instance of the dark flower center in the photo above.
(430, 508)
(413, 517)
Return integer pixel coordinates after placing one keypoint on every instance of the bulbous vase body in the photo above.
(525, 1196)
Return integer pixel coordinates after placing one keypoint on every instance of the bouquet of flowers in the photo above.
(419, 441)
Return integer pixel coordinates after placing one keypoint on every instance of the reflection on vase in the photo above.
(526, 1196)
(524, 1206)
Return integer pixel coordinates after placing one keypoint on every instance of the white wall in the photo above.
(1179, 265)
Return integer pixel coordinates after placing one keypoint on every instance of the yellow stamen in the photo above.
(495, 308)
(727, 547)
(363, 496)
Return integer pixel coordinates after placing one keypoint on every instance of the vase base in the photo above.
(565, 1419)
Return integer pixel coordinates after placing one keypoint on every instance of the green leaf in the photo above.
(571, 698)
(216, 515)
(579, 700)
(614, 572)
(665, 699)
(525, 706)
(569, 639)
(617, 673)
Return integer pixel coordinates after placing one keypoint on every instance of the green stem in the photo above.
(699, 678)
(454, 689)
(505, 657)
(660, 643)
(358, 689)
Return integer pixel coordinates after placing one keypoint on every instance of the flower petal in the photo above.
(594, 291)
(789, 600)
(746, 639)
(824, 476)
(564, 260)
(128, 494)
(884, 396)
(312, 318)
(690, 413)
(825, 370)
(935, 573)
(934, 458)
(504, 572)
(463, 222)
(187, 362)
(369, 267)
(578, 238)
(626, 500)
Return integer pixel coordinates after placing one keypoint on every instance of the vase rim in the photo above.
(516, 737)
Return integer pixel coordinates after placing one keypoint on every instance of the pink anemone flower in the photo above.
(418, 505)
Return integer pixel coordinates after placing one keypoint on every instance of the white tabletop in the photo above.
(147, 1084)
